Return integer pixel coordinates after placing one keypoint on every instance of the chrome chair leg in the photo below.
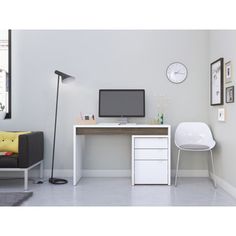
(213, 169)
(26, 176)
(177, 168)
(41, 170)
(208, 167)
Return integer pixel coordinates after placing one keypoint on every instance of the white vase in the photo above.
(2, 115)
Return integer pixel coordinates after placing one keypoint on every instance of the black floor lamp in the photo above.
(63, 77)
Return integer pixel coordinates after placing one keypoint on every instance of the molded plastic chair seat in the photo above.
(194, 136)
(195, 147)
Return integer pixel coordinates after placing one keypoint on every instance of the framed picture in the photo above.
(228, 72)
(5, 72)
(229, 94)
(217, 82)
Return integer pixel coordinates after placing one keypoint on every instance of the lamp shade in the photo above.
(63, 76)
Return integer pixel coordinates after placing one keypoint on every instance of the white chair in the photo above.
(195, 137)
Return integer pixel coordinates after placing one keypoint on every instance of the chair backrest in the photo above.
(193, 133)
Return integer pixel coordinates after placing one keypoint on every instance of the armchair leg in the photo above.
(26, 180)
(213, 169)
(41, 170)
(177, 168)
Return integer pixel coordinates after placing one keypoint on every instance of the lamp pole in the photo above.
(53, 180)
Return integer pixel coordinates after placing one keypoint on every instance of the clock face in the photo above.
(176, 72)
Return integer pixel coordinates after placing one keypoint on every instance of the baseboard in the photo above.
(225, 185)
(127, 173)
(67, 173)
(190, 173)
(90, 173)
(106, 173)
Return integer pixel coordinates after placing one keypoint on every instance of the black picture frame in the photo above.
(229, 94)
(217, 82)
(8, 115)
(228, 72)
(6, 59)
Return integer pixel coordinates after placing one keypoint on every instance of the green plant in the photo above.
(2, 107)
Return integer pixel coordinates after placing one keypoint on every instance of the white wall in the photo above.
(222, 44)
(104, 59)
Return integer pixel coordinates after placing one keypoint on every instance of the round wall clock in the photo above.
(176, 72)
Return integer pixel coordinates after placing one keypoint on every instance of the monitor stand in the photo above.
(125, 121)
(122, 121)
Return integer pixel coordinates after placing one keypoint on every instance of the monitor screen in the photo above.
(122, 103)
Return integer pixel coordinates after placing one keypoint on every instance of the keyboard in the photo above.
(116, 124)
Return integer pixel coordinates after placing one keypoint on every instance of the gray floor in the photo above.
(119, 192)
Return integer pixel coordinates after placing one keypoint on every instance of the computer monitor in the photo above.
(121, 103)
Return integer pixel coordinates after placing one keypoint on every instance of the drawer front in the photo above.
(149, 154)
(151, 143)
(150, 172)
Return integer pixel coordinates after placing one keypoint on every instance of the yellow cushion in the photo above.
(9, 141)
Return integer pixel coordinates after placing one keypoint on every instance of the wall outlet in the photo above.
(221, 114)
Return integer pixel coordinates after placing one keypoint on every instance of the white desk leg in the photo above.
(74, 157)
(132, 160)
(169, 156)
(78, 141)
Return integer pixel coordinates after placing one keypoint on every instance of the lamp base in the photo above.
(57, 181)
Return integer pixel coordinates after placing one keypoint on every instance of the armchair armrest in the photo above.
(31, 149)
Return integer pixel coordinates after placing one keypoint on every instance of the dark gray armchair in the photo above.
(31, 152)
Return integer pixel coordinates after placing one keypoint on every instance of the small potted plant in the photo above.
(2, 112)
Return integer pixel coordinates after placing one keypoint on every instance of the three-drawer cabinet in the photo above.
(150, 159)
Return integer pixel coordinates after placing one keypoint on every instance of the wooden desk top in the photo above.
(112, 129)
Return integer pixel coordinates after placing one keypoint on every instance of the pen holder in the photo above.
(85, 122)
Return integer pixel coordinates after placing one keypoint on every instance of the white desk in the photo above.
(151, 149)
